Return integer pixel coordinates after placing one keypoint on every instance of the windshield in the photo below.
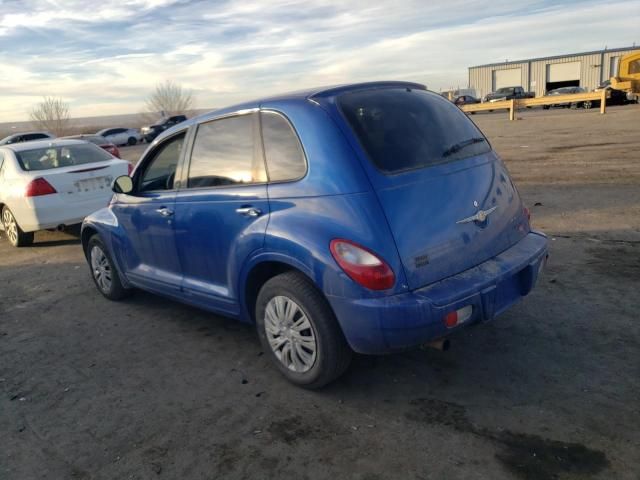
(60, 156)
(403, 129)
(505, 90)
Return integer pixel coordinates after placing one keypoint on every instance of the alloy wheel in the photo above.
(10, 226)
(101, 269)
(290, 334)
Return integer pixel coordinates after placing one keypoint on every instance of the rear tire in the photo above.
(12, 230)
(299, 331)
(132, 141)
(103, 271)
(587, 104)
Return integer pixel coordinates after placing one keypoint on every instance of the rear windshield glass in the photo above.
(60, 156)
(403, 129)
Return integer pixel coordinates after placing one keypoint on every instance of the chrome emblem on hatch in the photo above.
(479, 217)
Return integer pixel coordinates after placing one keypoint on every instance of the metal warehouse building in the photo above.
(539, 75)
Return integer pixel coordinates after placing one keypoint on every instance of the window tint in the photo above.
(404, 129)
(60, 156)
(634, 67)
(160, 172)
(224, 153)
(285, 159)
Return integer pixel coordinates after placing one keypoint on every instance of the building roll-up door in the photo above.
(563, 75)
(563, 72)
(507, 78)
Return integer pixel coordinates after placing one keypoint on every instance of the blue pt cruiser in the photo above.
(370, 218)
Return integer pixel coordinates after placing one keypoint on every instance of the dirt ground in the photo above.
(149, 388)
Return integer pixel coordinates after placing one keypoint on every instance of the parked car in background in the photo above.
(465, 100)
(508, 93)
(152, 131)
(97, 140)
(121, 136)
(53, 184)
(565, 91)
(333, 219)
(25, 137)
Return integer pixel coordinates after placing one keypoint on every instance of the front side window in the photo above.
(160, 172)
(403, 129)
(224, 153)
(283, 152)
(60, 157)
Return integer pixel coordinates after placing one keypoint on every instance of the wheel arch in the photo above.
(86, 234)
(258, 271)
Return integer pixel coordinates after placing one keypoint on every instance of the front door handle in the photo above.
(249, 211)
(165, 212)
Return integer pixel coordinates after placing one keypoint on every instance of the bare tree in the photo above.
(52, 115)
(170, 98)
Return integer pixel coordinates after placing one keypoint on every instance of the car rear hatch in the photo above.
(86, 181)
(447, 197)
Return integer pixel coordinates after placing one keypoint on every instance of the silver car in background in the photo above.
(121, 135)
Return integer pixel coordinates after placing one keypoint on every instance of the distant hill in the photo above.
(93, 124)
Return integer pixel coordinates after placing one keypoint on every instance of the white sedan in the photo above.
(53, 184)
(121, 136)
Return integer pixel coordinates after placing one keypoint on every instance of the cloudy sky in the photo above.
(104, 57)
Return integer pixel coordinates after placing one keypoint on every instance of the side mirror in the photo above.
(122, 184)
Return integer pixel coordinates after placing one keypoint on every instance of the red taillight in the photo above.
(458, 316)
(39, 187)
(451, 319)
(361, 265)
(112, 149)
(129, 169)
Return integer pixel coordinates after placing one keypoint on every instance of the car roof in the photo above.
(35, 144)
(299, 95)
(109, 128)
(31, 132)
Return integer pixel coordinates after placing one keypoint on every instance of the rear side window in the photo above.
(60, 157)
(403, 129)
(35, 136)
(225, 153)
(283, 152)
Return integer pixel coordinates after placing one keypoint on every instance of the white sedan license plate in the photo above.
(93, 184)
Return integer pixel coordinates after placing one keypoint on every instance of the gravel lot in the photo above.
(149, 388)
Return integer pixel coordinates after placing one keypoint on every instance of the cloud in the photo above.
(105, 57)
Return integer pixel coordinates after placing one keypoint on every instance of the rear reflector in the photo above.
(361, 265)
(457, 317)
(39, 187)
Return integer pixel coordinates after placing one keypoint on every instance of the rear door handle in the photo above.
(165, 212)
(249, 211)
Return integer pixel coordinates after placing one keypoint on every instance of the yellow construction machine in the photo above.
(628, 78)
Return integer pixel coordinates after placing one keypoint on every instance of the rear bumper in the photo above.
(387, 324)
(41, 214)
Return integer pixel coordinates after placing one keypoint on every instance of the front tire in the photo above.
(132, 141)
(12, 230)
(299, 331)
(103, 271)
